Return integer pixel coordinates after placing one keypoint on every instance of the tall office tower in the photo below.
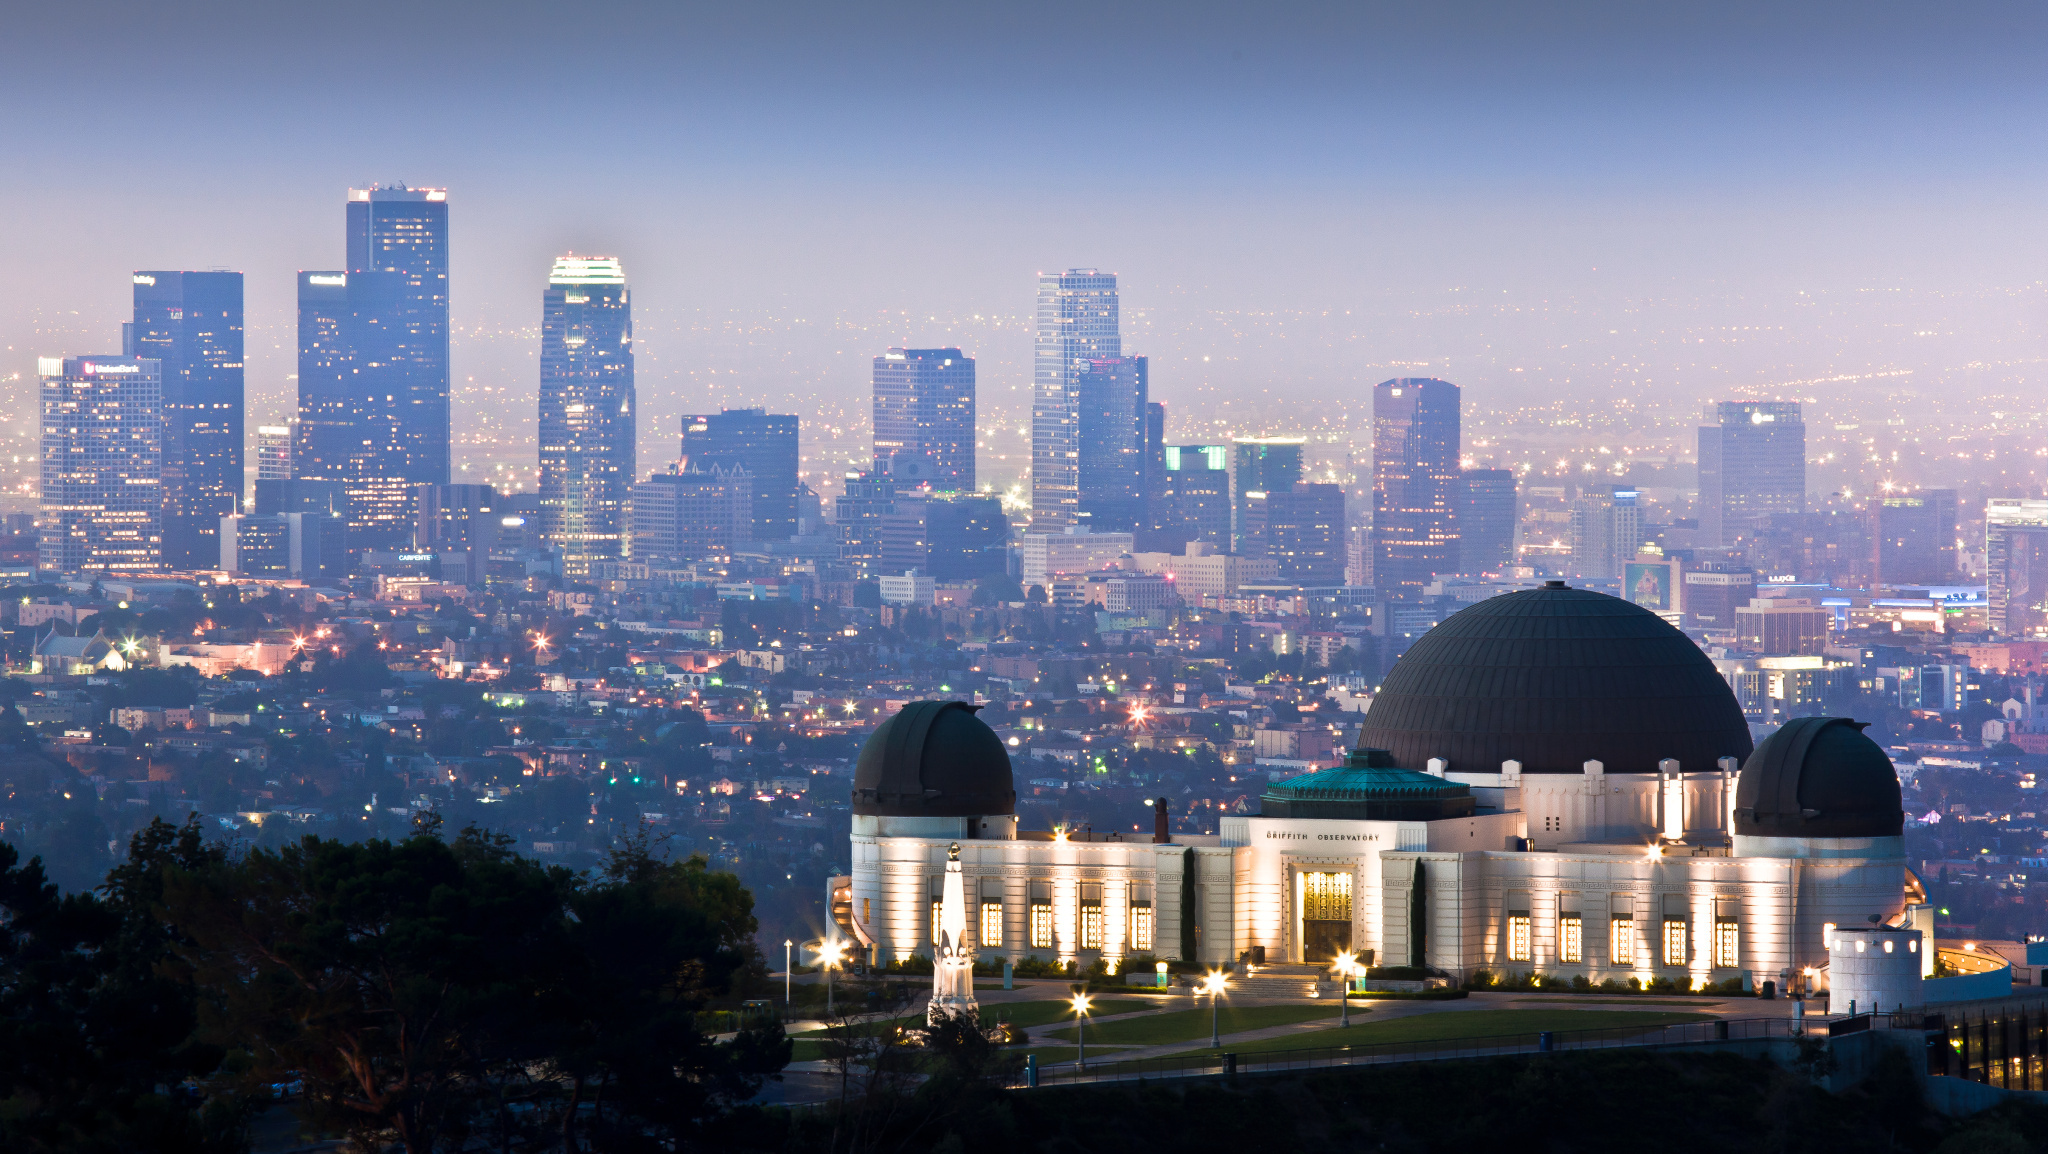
(1111, 478)
(863, 504)
(762, 445)
(352, 370)
(1415, 485)
(587, 408)
(191, 324)
(1195, 497)
(2016, 566)
(924, 412)
(102, 467)
(1259, 465)
(683, 517)
(1077, 324)
(1486, 521)
(945, 536)
(1301, 528)
(1607, 529)
(273, 453)
(1155, 462)
(1752, 464)
(1916, 538)
(404, 231)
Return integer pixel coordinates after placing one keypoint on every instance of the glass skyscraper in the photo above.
(1417, 485)
(102, 466)
(1752, 466)
(1109, 398)
(924, 411)
(1077, 324)
(587, 410)
(759, 443)
(373, 362)
(405, 231)
(190, 323)
(1259, 465)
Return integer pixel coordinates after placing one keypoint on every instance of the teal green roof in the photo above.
(1360, 779)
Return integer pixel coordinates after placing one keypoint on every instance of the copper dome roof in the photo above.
(1553, 678)
(934, 759)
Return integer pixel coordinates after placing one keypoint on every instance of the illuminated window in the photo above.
(1571, 939)
(1827, 935)
(1621, 942)
(936, 906)
(1141, 926)
(991, 924)
(1518, 937)
(1675, 951)
(1726, 943)
(1041, 925)
(866, 910)
(1091, 915)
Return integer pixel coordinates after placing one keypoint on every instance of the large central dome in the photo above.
(1553, 678)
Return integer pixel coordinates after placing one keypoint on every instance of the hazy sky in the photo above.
(1307, 195)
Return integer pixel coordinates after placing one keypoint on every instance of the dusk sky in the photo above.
(1532, 200)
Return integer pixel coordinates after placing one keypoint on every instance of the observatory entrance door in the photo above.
(1325, 916)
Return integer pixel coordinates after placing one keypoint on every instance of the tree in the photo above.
(94, 1038)
(373, 971)
(659, 938)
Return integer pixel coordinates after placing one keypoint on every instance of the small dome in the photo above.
(1368, 787)
(1553, 678)
(1819, 777)
(934, 759)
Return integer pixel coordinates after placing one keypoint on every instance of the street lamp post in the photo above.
(1347, 965)
(829, 957)
(787, 946)
(1080, 1004)
(1213, 986)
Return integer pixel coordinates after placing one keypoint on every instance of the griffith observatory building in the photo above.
(1552, 781)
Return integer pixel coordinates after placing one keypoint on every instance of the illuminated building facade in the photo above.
(587, 410)
(373, 362)
(924, 412)
(1193, 500)
(190, 323)
(1916, 538)
(1572, 810)
(1752, 465)
(2016, 566)
(1110, 401)
(102, 462)
(761, 444)
(1259, 465)
(273, 453)
(1417, 484)
(1078, 323)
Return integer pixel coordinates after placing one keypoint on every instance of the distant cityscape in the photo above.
(1144, 604)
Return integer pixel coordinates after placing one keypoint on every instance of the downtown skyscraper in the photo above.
(373, 362)
(190, 323)
(587, 410)
(924, 416)
(1752, 467)
(1077, 325)
(102, 464)
(1417, 485)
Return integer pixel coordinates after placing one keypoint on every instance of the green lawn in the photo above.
(1188, 1025)
(1031, 1015)
(1456, 1024)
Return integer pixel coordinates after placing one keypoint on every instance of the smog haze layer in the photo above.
(1581, 213)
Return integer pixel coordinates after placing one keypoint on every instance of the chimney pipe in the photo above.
(1159, 834)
